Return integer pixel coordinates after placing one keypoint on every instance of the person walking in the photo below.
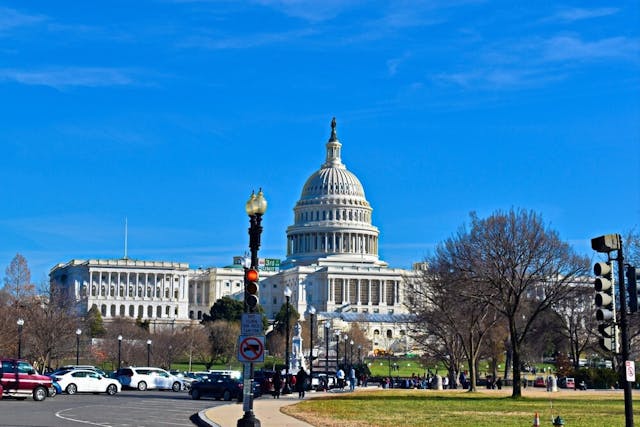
(301, 383)
(352, 379)
(277, 385)
(340, 378)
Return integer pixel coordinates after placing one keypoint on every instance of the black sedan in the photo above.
(217, 386)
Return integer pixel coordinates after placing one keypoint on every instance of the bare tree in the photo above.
(17, 280)
(450, 324)
(578, 322)
(517, 266)
(223, 336)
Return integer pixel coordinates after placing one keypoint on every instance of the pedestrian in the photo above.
(277, 385)
(499, 383)
(352, 379)
(301, 382)
(340, 377)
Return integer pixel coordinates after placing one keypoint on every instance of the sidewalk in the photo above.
(265, 408)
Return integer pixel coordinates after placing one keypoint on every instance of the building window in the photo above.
(389, 333)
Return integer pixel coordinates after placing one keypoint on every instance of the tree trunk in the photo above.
(515, 354)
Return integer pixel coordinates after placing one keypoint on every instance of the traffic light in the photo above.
(632, 286)
(251, 288)
(605, 301)
(604, 289)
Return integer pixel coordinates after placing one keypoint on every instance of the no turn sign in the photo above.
(630, 368)
(251, 348)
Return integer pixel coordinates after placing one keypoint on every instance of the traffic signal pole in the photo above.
(607, 244)
(255, 207)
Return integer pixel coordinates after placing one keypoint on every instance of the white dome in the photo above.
(332, 219)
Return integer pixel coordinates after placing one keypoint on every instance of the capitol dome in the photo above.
(332, 219)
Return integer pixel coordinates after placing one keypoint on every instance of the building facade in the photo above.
(331, 263)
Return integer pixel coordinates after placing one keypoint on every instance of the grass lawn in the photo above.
(457, 408)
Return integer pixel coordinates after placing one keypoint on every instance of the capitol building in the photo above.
(331, 263)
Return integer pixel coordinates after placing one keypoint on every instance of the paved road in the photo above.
(131, 408)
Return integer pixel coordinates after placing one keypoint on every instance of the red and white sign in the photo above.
(630, 369)
(251, 348)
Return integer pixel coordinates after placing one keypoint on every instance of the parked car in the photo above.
(91, 367)
(19, 379)
(218, 386)
(87, 381)
(144, 378)
(567, 382)
(539, 382)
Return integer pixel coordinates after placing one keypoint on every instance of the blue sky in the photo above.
(169, 113)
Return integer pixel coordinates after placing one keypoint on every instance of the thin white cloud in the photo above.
(65, 77)
(311, 10)
(11, 18)
(564, 48)
(578, 14)
(499, 78)
(248, 42)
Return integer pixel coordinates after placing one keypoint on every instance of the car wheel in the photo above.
(39, 394)
(53, 392)
(176, 386)
(72, 389)
(142, 386)
(226, 396)
(112, 389)
(195, 394)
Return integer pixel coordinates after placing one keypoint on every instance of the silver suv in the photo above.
(144, 378)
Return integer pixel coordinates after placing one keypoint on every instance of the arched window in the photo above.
(191, 314)
(112, 290)
(166, 293)
(122, 310)
(132, 311)
(199, 315)
(112, 311)
(140, 311)
(158, 312)
(168, 311)
(376, 332)
(103, 310)
(389, 333)
(158, 292)
(150, 311)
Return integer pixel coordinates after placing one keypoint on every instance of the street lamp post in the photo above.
(20, 324)
(327, 325)
(255, 207)
(78, 333)
(119, 350)
(287, 295)
(312, 312)
(351, 354)
(337, 350)
(148, 352)
(346, 341)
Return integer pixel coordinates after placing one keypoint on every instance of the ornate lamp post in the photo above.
(78, 333)
(148, 352)
(255, 207)
(286, 389)
(20, 323)
(119, 350)
(312, 312)
(327, 325)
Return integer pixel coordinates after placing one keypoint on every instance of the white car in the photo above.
(144, 378)
(87, 381)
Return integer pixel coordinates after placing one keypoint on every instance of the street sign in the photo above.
(251, 348)
(251, 324)
(630, 369)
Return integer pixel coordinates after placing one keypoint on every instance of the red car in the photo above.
(19, 379)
